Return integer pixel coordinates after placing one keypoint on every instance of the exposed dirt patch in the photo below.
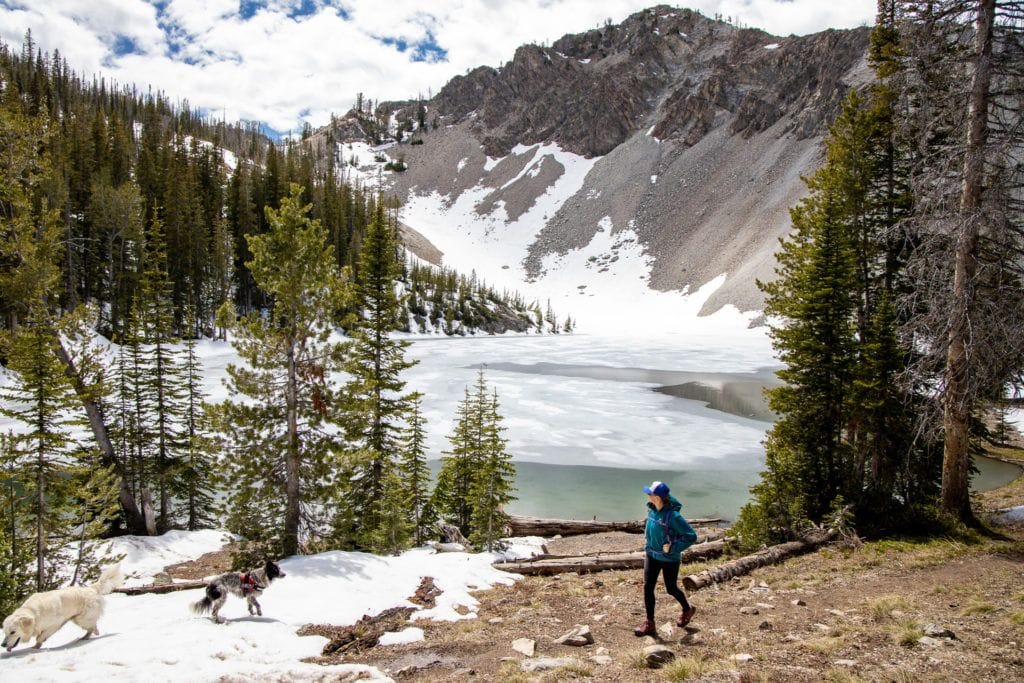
(209, 564)
(856, 614)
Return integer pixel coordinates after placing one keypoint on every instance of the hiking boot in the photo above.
(647, 629)
(686, 616)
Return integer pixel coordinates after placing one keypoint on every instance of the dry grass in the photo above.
(685, 668)
(902, 676)
(883, 606)
(907, 633)
(978, 606)
(838, 675)
(509, 672)
(827, 645)
(569, 672)
(636, 660)
(1016, 617)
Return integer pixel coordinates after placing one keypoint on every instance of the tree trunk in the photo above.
(585, 564)
(958, 399)
(40, 513)
(290, 542)
(134, 520)
(762, 558)
(519, 525)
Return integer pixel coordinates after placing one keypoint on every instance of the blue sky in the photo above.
(285, 61)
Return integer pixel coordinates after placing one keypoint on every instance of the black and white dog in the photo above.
(248, 585)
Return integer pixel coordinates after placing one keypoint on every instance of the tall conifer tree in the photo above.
(283, 456)
(377, 408)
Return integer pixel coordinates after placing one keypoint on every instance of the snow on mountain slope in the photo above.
(491, 227)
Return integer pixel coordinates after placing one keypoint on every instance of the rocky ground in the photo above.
(947, 609)
(940, 609)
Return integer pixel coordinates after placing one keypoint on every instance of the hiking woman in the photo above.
(667, 535)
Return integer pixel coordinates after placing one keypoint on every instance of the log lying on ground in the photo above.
(584, 564)
(762, 558)
(519, 525)
(165, 588)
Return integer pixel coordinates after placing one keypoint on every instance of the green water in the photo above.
(614, 493)
(709, 488)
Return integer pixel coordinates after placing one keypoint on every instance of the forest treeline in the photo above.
(116, 160)
(133, 230)
(899, 303)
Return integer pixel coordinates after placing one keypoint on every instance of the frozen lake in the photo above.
(590, 418)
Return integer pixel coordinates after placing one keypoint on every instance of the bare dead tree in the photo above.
(964, 308)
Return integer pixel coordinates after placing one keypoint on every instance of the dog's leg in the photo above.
(44, 635)
(253, 602)
(217, 604)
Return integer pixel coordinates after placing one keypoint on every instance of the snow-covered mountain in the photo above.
(621, 166)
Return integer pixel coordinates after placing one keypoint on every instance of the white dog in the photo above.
(43, 614)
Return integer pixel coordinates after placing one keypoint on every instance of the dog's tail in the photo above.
(111, 578)
(203, 606)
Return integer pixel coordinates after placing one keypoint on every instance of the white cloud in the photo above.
(280, 68)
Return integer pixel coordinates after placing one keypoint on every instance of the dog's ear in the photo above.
(26, 622)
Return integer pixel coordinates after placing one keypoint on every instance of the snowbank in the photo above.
(156, 637)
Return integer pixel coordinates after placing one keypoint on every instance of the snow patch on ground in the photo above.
(1014, 515)
(145, 556)
(403, 637)
(772, 46)
(157, 638)
(1015, 417)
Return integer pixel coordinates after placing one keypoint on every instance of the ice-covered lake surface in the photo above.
(589, 418)
(586, 425)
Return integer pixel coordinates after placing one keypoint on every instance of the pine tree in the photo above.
(476, 475)
(283, 453)
(807, 457)
(16, 559)
(415, 475)
(393, 530)
(196, 474)
(40, 399)
(451, 497)
(376, 407)
(162, 373)
(493, 483)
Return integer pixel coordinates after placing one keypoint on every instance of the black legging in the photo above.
(671, 573)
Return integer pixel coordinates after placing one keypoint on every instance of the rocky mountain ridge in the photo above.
(697, 133)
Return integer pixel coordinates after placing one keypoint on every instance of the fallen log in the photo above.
(585, 564)
(762, 558)
(701, 538)
(520, 525)
(164, 588)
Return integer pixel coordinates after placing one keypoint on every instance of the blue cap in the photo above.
(657, 488)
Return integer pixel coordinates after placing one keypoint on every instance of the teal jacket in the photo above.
(667, 526)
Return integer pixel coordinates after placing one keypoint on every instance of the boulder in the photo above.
(935, 631)
(579, 636)
(525, 646)
(657, 656)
